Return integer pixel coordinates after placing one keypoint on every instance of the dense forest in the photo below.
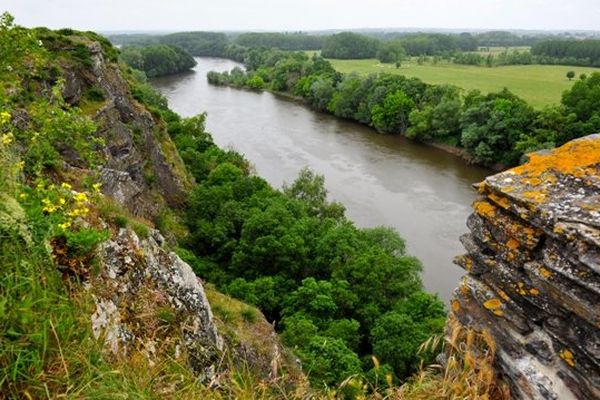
(579, 52)
(157, 59)
(283, 41)
(496, 128)
(348, 45)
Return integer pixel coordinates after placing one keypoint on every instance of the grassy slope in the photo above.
(540, 85)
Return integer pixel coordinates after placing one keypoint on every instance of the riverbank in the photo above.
(454, 150)
(422, 192)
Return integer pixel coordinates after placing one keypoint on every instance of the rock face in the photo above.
(150, 300)
(143, 169)
(533, 263)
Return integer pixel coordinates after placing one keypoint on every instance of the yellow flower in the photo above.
(23, 195)
(65, 225)
(97, 187)
(20, 165)
(65, 185)
(7, 138)
(48, 206)
(61, 202)
(80, 197)
(4, 117)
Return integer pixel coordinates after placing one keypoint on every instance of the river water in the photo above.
(421, 191)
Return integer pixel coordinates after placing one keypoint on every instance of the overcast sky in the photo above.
(180, 15)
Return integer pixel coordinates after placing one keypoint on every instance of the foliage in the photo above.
(158, 59)
(283, 41)
(348, 45)
(293, 254)
(582, 52)
(392, 115)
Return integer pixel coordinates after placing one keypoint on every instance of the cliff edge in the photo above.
(533, 263)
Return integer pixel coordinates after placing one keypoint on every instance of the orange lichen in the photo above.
(501, 201)
(574, 158)
(503, 295)
(534, 291)
(546, 273)
(485, 209)
(534, 196)
(493, 304)
(512, 244)
(567, 356)
(455, 304)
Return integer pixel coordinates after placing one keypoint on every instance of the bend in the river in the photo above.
(421, 191)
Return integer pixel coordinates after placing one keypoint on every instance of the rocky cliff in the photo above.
(143, 171)
(533, 263)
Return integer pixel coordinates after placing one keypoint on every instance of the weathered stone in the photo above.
(142, 171)
(134, 270)
(534, 272)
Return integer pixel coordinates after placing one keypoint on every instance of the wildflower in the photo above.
(61, 202)
(4, 117)
(7, 138)
(80, 197)
(97, 187)
(48, 206)
(23, 196)
(65, 225)
(20, 165)
(78, 212)
(40, 186)
(65, 186)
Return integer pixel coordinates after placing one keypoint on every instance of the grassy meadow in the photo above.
(540, 85)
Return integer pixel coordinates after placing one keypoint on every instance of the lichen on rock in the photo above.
(533, 263)
(147, 298)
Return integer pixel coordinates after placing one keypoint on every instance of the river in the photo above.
(423, 192)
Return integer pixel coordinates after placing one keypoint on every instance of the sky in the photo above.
(306, 15)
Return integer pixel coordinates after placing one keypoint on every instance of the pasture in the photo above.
(540, 85)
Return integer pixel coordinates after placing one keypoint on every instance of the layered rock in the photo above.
(143, 171)
(533, 263)
(148, 299)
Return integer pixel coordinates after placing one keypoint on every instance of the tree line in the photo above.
(157, 59)
(494, 129)
(386, 46)
(338, 294)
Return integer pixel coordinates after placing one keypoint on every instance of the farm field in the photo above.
(540, 85)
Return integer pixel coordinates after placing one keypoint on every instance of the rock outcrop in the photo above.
(533, 263)
(149, 299)
(143, 171)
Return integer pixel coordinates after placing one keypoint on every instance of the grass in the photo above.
(540, 85)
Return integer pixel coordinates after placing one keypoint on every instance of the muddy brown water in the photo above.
(423, 192)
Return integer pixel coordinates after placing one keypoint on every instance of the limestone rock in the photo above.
(533, 263)
(142, 283)
(142, 172)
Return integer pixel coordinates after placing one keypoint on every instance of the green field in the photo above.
(540, 85)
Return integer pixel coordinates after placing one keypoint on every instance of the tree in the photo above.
(571, 75)
(328, 361)
(392, 116)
